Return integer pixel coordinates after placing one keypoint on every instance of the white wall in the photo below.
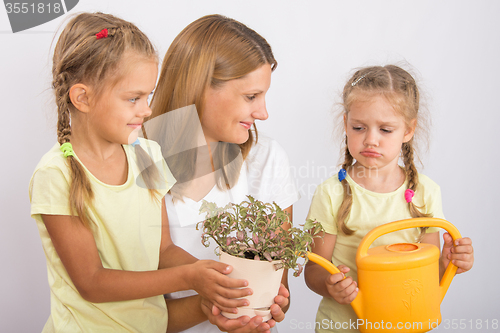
(454, 45)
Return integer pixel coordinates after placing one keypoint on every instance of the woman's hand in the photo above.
(344, 291)
(245, 324)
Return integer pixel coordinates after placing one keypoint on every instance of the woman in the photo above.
(211, 89)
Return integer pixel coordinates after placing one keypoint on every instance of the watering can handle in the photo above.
(413, 223)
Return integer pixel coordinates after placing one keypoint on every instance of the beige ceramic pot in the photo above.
(263, 277)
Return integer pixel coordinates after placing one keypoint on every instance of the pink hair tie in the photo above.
(409, 195)
(102, 34)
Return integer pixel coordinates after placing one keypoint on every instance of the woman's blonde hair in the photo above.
(209, 52)
(80, 57)
(401, 91)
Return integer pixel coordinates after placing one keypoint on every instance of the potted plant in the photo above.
(250, 236)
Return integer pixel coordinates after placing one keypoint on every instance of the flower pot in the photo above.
(263, 278)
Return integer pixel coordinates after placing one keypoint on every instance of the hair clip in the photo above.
(342, 174)
(357, 80)
(102, 34)
(135, 143)
(409, 193)
(67, 149)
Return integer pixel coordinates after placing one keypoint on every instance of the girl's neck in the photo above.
(107, 161)
(385, 180)
(85, 144)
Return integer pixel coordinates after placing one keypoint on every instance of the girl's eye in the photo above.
(357, 128)
(250, 97)
(133, 100)
(386, 130)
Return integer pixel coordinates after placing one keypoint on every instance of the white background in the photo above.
(453, 47)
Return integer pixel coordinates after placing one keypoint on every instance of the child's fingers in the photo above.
(335, 278)
(343, 268)
(463, 266)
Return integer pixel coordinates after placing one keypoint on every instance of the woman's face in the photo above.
(230, 110)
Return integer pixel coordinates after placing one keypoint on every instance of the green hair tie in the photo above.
(67, 149)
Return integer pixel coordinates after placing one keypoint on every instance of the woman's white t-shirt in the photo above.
(265, 175)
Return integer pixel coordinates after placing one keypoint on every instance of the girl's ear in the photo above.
(345, 122)
(79, 96)
(410, 130)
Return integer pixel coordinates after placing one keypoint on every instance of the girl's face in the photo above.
(229, 111)
(375, 133)
(120, 111)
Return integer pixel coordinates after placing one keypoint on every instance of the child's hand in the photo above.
(208, 278)
(461, 255)
(344, 291)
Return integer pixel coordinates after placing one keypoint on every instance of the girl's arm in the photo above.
(318, 279)
(78, 252)
(461, 254)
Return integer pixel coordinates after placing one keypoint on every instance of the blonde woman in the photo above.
(212, 89)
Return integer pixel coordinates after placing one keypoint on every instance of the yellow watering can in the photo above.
(399, 288)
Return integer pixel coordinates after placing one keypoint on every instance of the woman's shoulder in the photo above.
(266, 147)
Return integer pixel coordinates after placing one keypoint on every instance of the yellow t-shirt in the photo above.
(369, 210)
(127, 232)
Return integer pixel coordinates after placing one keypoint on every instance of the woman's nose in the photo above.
(261, 112)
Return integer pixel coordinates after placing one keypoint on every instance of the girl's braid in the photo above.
(412, 177)
(345, 206)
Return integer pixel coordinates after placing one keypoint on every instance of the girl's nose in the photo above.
(146, 111)
(371, 138)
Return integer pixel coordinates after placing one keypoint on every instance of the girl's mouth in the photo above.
(370, 153)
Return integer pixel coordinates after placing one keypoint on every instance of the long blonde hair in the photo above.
(207, 53)
(400, 89)
(79, 57)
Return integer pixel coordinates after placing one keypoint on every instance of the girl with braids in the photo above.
(381, 116)
(97, 194)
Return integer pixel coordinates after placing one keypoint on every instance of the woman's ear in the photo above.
(410, 130)
(79, 96)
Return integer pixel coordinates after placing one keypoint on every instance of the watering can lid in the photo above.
(398, 257)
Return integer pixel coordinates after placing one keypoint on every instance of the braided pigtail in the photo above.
(345, 206)
(412, 177)
(80, 190)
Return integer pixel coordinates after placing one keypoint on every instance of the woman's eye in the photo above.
(133, 100)
(250, 97)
